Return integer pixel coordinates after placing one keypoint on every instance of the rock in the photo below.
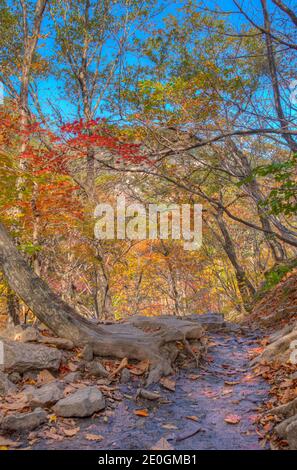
(21, 357)
(44, 377)
(96, 369)
(234, 328)
(60, 343)
(280, 333)
(23, 421)
(293, 376)
(80, 404)
(15, 377)
(279, 350)
(27, 335)
(22, 333)
(287, 410)
(125, 376)
(6, 385)
(81, 366)
(72, 377)
(45, 396)
(292, 435)
(281, 428)
(87, 353)
(30, 375)
(211, 321)
(143, 393)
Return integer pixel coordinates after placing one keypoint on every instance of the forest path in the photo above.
(224, 388)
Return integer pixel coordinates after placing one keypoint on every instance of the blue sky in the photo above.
(52, 89)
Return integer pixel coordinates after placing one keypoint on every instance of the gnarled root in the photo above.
(147, 338)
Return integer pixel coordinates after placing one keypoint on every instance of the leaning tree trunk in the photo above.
(119, 340)
(245, 287)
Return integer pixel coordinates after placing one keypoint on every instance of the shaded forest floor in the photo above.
(213, 407)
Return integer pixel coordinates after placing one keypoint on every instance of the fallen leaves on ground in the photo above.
(123, 364)
(232, 419)
(140, 368)
(232, 383)
(52, 419)
(45, 377)
(162, 444)
(283, 390)
(169, 426)
(192, 418)
(194, 376)
(169, 384)
(94, 437)
(70, 432)
(144, 413)
(52, 434)
(4, 442)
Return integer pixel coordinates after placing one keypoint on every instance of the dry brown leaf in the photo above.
(194, 376)
(52, 434)
(45, 377)
(162, 444)
(72, 367)
(70, 432)
(192, 418)
(169, 426)
(139, 368)
(94, 437)
(232, 419)
(16, 406)
(169, 384)
(4, 442)
(123, 365)
(143, 413)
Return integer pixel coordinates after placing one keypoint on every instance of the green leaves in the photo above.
(282, 199)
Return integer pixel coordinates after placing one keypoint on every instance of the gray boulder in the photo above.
(210, 321)
(21, 357)
(80, 404)
(292, 435)
(45, 396)
(281, 428)
(23, 333)
(125, 376)
(23, 421)
(87, 353)
(72, 377)
(96, 369)
(6, 385)
(15, 377)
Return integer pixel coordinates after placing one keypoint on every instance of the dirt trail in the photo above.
(225, 386)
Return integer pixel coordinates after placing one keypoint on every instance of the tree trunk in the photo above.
(246, 289)
(253, 190)
(120, 340)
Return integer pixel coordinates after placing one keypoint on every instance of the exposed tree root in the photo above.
(281, 346)
(286, 411)
(152, 339)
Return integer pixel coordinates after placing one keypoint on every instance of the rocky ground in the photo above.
(59, 398)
